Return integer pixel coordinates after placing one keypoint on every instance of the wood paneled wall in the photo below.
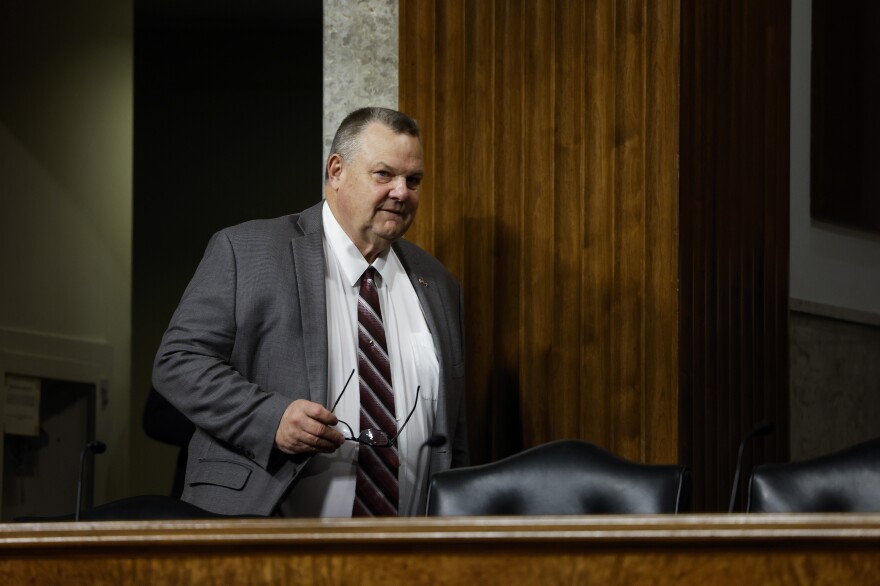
(551, 137)
(734, 238)
(552, 133)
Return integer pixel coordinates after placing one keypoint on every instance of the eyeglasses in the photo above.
(371, 436)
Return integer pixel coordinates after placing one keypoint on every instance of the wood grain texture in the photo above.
(610, 298)
(555, 124)
(734, 238)
(680, 550)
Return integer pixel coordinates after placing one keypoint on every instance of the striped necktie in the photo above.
(376, 488)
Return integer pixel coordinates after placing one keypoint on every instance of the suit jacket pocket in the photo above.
(221, 473)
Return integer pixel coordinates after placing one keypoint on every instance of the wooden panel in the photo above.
(569, 360)
(506, 394)
(450, 188)
(628, 233)
(661, 239)
(418, 60)
(542, 122)
(480, 260)
(734, 237)
(599, 196)
(729, 549)
(536, 229)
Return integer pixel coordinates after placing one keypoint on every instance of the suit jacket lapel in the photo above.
(308, 264)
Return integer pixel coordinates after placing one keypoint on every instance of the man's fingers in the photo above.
(320, 413)
(329, 438)
(305, 427)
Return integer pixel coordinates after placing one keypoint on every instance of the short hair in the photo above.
(346, 143)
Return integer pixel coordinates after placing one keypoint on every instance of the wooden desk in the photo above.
(687, 549)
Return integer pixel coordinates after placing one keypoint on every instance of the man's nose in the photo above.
(399, 189)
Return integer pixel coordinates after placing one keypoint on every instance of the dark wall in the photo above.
(227, 127)
(844, 118)
(733, 240)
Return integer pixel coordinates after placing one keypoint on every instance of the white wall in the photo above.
(829, 266)
(66, 193)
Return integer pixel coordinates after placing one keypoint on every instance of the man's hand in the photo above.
(305, 429)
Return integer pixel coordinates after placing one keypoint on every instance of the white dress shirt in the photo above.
(325, 488)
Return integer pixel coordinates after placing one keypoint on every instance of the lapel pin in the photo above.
(423, 282)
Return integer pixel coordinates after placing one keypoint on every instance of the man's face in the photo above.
(374, 197)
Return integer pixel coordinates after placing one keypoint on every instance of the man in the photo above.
(278, 316)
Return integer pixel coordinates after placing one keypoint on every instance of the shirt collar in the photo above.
(351, 262)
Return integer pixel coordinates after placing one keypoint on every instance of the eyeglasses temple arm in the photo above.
(405, 421)
(332, 409)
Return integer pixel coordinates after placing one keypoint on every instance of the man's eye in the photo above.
(413, 182)
(383, 174)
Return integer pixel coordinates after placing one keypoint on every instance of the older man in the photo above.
(280, 314)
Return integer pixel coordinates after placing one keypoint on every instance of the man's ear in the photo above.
(335, 167)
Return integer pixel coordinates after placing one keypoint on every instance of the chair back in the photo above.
(844, 481)
(567, 477)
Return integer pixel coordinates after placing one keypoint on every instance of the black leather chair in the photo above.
(844, 481)
(567, 477)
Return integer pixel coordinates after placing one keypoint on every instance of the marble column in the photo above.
(360, 59)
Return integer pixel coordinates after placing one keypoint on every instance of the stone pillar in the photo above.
(360, 59)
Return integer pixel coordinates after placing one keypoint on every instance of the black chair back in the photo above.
(845, 481)
(567, 477)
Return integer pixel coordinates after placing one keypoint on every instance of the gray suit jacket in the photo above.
(250, 336)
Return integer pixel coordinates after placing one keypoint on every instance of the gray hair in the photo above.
(347, 142)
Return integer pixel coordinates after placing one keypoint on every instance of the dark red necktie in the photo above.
(376, 488)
